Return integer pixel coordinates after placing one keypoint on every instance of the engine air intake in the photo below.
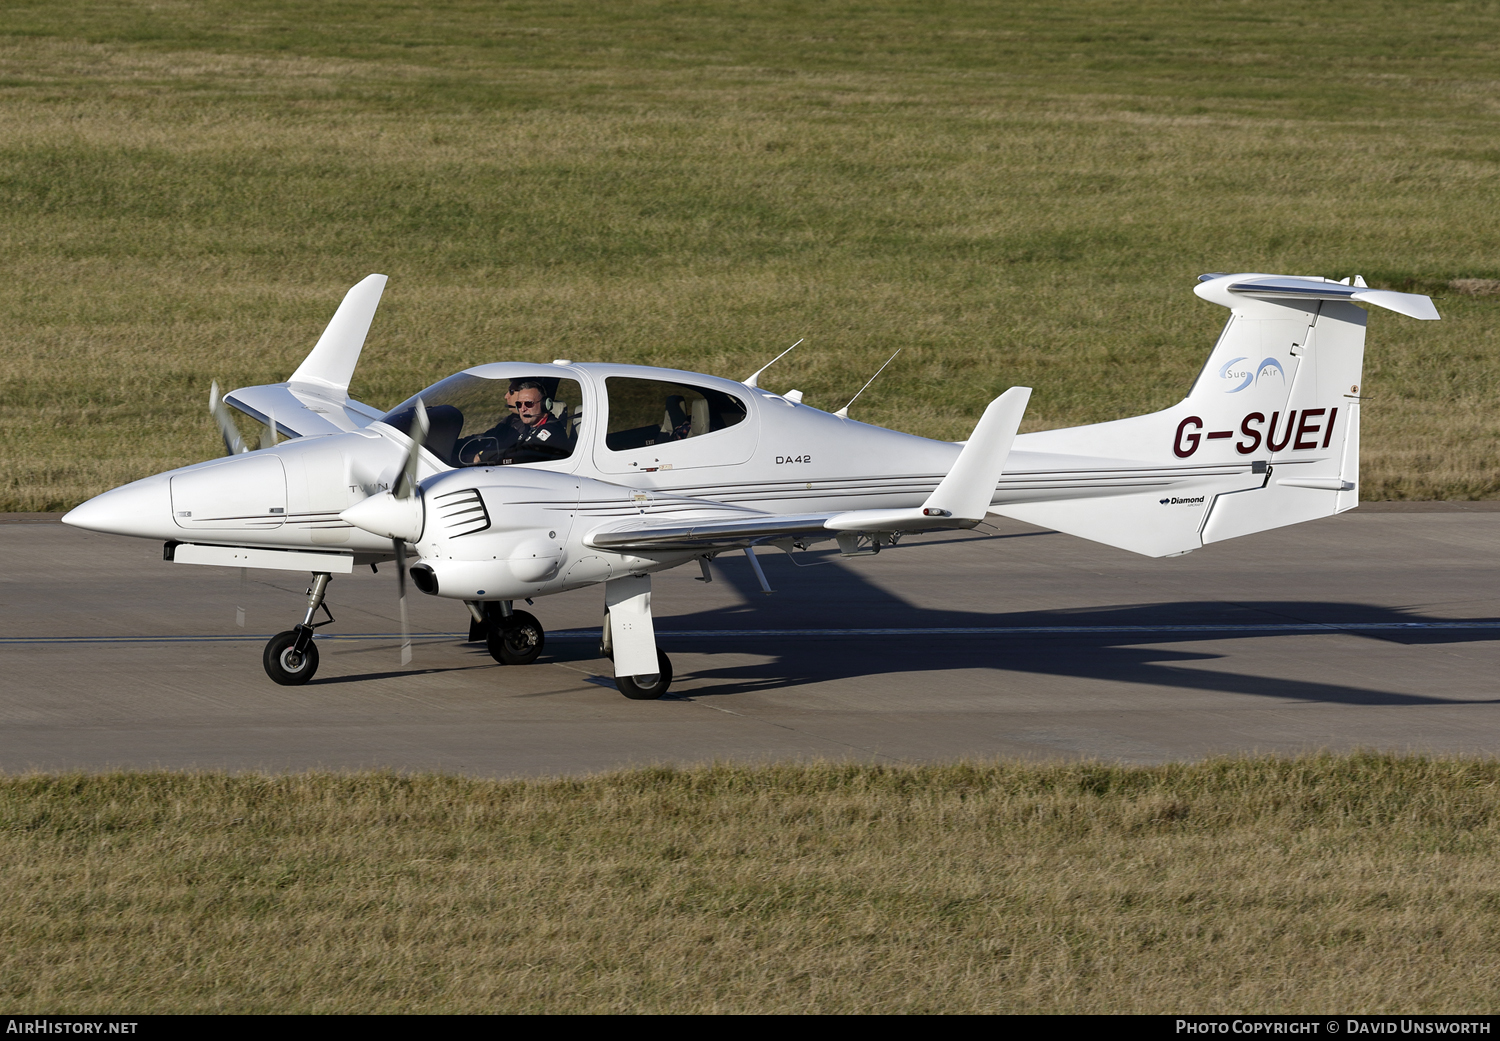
(461, 513)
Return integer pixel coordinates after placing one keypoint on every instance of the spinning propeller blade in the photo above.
(268, 435)
(406, 487)
(400, 546)
(233, 443)
(398, 515)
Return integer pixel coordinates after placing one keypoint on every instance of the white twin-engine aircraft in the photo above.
(513, 480)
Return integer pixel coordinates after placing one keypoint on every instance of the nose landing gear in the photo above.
(286, 663)
(290, 657)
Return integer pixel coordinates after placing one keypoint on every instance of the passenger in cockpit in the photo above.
(679, 422)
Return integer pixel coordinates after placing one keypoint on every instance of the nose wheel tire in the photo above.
(285, 664)
(516, 640)
(648, 688)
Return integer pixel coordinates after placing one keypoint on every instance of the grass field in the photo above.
(1011, 192)
(1357, 883)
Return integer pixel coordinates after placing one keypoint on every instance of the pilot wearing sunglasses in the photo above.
(538, 426)
(528, 433)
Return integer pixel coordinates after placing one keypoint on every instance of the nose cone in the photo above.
(389, 517)
(143, 509)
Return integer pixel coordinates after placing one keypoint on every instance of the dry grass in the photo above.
(1017, 193)
(1359, 882)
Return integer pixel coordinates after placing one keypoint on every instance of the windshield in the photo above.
(479, 422)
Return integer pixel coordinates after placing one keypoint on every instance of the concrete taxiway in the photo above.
(1377, 629)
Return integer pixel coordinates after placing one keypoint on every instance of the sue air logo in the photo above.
(1232, 370)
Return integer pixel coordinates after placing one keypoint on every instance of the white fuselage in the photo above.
(783, 458)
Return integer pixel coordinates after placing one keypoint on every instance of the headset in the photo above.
(531, 384)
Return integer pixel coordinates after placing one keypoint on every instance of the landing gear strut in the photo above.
(643, 672)
(513, 637)
(291, 657)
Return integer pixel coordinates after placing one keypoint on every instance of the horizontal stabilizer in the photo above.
(1413, 305)
(331, 363)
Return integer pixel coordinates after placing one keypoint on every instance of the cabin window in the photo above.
(482, 422)
(653, 412)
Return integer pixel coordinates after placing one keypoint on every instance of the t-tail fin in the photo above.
(1268, 435)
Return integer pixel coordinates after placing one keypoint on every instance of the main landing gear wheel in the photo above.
(516, 640)
(285, 664)
(648, 688)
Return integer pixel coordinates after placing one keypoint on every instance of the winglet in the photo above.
(331, 363)
(963, 497)
(970, 485)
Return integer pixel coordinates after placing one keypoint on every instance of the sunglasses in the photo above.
(527, 406)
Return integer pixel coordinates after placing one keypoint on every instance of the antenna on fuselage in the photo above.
(843, 413)
(751, 382)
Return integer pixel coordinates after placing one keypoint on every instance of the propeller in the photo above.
(268, 438)
(400, 545)
(406, 488)
(398, 515)
(233, 443)
(406, 484)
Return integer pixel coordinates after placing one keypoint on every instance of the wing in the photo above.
(743, 529)
(301, 410)
(960, 500)
(315, 400)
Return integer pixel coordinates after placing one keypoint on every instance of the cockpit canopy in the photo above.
(515, 416)
(491, 422)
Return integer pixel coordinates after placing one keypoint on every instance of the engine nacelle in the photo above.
(503, 533)
(471, 580)
(495, 533)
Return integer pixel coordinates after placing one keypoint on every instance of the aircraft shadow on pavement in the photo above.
(837, 596)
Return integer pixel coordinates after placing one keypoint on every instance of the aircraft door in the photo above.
(655, 425)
